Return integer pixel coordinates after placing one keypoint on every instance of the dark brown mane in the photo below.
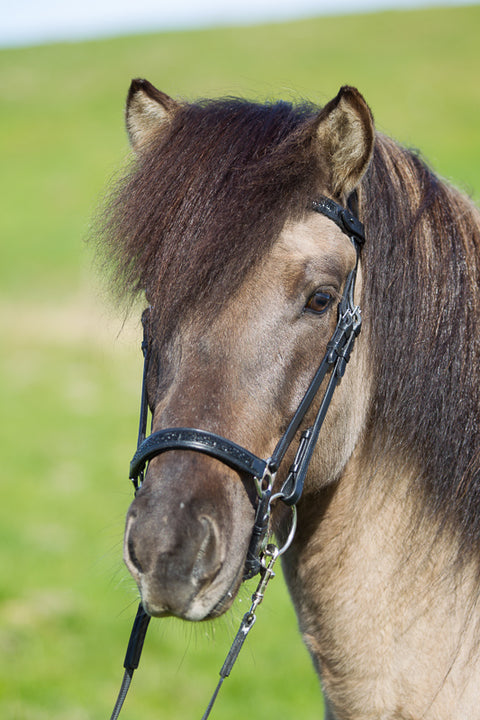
(422, 308)
(207, 199)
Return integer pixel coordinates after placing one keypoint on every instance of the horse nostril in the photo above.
(132, 555)
(208, 561)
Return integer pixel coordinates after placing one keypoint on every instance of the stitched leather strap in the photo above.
(343, 217)
(201, 441)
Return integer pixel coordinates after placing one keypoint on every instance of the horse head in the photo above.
(244, 280)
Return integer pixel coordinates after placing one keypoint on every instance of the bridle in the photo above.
(260, 556)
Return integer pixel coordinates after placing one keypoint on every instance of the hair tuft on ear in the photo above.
(146, 111)
(345, 137)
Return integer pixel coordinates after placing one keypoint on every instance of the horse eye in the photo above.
(319, 302)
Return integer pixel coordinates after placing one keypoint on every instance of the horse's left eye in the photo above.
(319, 302)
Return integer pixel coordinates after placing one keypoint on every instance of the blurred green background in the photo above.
(70, 363)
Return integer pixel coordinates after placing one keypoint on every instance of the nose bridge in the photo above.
(205, 387)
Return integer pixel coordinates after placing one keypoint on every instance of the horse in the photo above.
(214, 223)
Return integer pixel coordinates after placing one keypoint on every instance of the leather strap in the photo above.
(201, 441)
(343, 217)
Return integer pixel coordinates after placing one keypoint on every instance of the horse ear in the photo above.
(147, 110)
(345, 137)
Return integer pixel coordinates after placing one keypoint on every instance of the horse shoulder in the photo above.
(391, 630)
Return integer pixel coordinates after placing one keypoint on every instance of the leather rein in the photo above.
(261, 555)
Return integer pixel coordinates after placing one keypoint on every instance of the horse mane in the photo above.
(422, 312)
(207, 199)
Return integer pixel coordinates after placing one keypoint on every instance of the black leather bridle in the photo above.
(239, 458)
(261, 471)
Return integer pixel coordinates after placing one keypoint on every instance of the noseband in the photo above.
(261, 471)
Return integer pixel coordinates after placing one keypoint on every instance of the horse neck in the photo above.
(385, 571)
(387, 619)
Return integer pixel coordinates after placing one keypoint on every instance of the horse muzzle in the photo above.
(183, 545)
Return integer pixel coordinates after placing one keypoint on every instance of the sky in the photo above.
(25, 22)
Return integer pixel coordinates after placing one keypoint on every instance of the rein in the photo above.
(260, 556)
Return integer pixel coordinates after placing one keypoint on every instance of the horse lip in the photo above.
(154, 612)
(226, 600)
(193, 610)
(222, 605)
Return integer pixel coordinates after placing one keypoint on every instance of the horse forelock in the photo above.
(422, 314)
(206, 200)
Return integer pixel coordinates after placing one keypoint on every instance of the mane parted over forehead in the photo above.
(207, 197)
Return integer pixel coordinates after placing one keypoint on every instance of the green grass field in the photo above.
(70, 366)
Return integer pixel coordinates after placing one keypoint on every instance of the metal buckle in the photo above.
(264, 484)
